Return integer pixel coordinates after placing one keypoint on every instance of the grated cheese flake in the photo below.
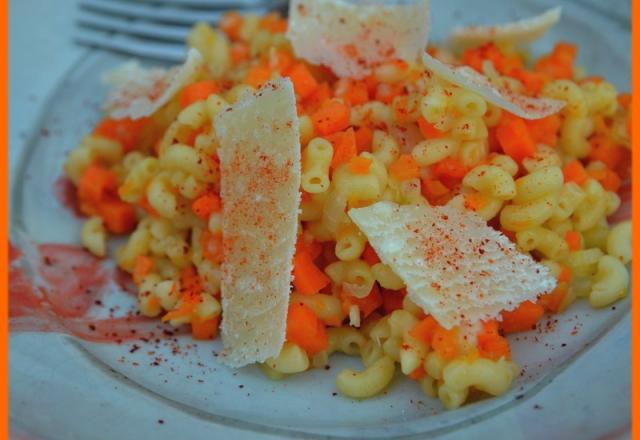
(260, 177)
(467, 78)
(519, 32)
(455, 266)
(138, 92)
(353, 37)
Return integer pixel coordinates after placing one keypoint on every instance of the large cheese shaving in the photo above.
(456, 267)
(353, 37)
(517, 33)
(467, 78)
(138, 92)
(260, 177)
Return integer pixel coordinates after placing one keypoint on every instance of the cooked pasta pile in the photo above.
(400, 134)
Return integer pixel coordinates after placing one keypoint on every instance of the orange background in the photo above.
(635, 318)
(4, 222)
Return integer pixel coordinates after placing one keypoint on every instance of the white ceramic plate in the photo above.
(61, 388)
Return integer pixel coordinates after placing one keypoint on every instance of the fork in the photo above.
(153, 28)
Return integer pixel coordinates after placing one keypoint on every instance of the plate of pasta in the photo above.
(329, 224)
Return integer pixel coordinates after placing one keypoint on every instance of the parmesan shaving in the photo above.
(353, 37)
(138, 92)
(519, 32)
(456, 267)
(260, 177)
(467, 78)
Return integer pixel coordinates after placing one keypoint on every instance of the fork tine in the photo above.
(131, 45)
(219, 4)
(146, 11)
(158, 31)
(152, 28)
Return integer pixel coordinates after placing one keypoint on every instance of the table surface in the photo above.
(41, 51)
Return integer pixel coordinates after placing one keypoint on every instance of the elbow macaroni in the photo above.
(610, 282)
(519, 217)
(538, 184)
(492, 181)
(373, 380)
(292, 359)
(547, 242)
(618, 242)
(316, 159)
(94, 236)
(492, 377)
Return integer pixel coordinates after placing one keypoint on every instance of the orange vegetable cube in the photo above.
(206, 204)
(258, 75)
(515, 139)
(239, 52)
(445, 342)
(523, 318)
(565, 274)
(575, 172)
(204, 329)
(449, 171)
(425, 330)
(331, 117)
(559, 63)
(494, 347)
(359, 165)
(231, 23)
(490, 344)
(96, 183)
(604, 150)
(372, 84)
(190, 283)
(198, 91)
(281, 61)
(607, 178)
(306, 330)
(344, 147)
(274, 23)
(119, 217)
(574, 240)
(545, 130)
(404, 168)
(303, 81)
(552, 301)
(533, 82)
(433, 189)
(307, 277)
(313, 248)
(127, 131)
(315, 100)
(353, 92)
